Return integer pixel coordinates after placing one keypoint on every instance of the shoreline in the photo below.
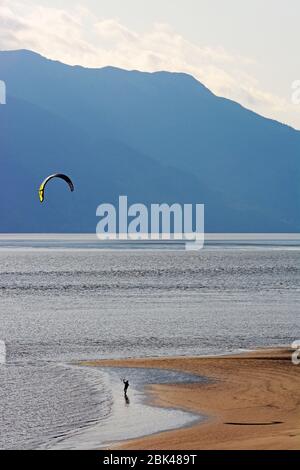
(250, 401)
(130, 417)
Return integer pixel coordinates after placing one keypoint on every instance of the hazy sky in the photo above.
(247, 50)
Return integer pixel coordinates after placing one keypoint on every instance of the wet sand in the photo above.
(252, 401)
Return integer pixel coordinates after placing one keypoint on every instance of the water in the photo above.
(64, 299)
(130, 417)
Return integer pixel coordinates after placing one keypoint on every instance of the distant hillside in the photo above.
(159, 137)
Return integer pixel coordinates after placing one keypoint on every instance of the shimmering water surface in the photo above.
(65, 300)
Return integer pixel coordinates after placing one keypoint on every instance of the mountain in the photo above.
(157, 137)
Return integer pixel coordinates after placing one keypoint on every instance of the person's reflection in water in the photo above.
(127, 401)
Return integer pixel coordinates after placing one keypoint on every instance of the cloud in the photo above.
(78, 36)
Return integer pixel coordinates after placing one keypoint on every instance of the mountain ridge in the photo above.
(115, 68)
(243, 166)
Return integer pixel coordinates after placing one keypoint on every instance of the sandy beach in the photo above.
(251, 401)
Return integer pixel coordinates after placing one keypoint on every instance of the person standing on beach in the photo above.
(126, 385)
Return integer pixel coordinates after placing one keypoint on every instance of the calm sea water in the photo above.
(63, 300)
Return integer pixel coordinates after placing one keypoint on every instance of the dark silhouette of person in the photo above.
(126, 385)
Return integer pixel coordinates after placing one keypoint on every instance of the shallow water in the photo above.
(78, 302)
(131, 417)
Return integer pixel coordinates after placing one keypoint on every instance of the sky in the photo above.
(245, 50)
